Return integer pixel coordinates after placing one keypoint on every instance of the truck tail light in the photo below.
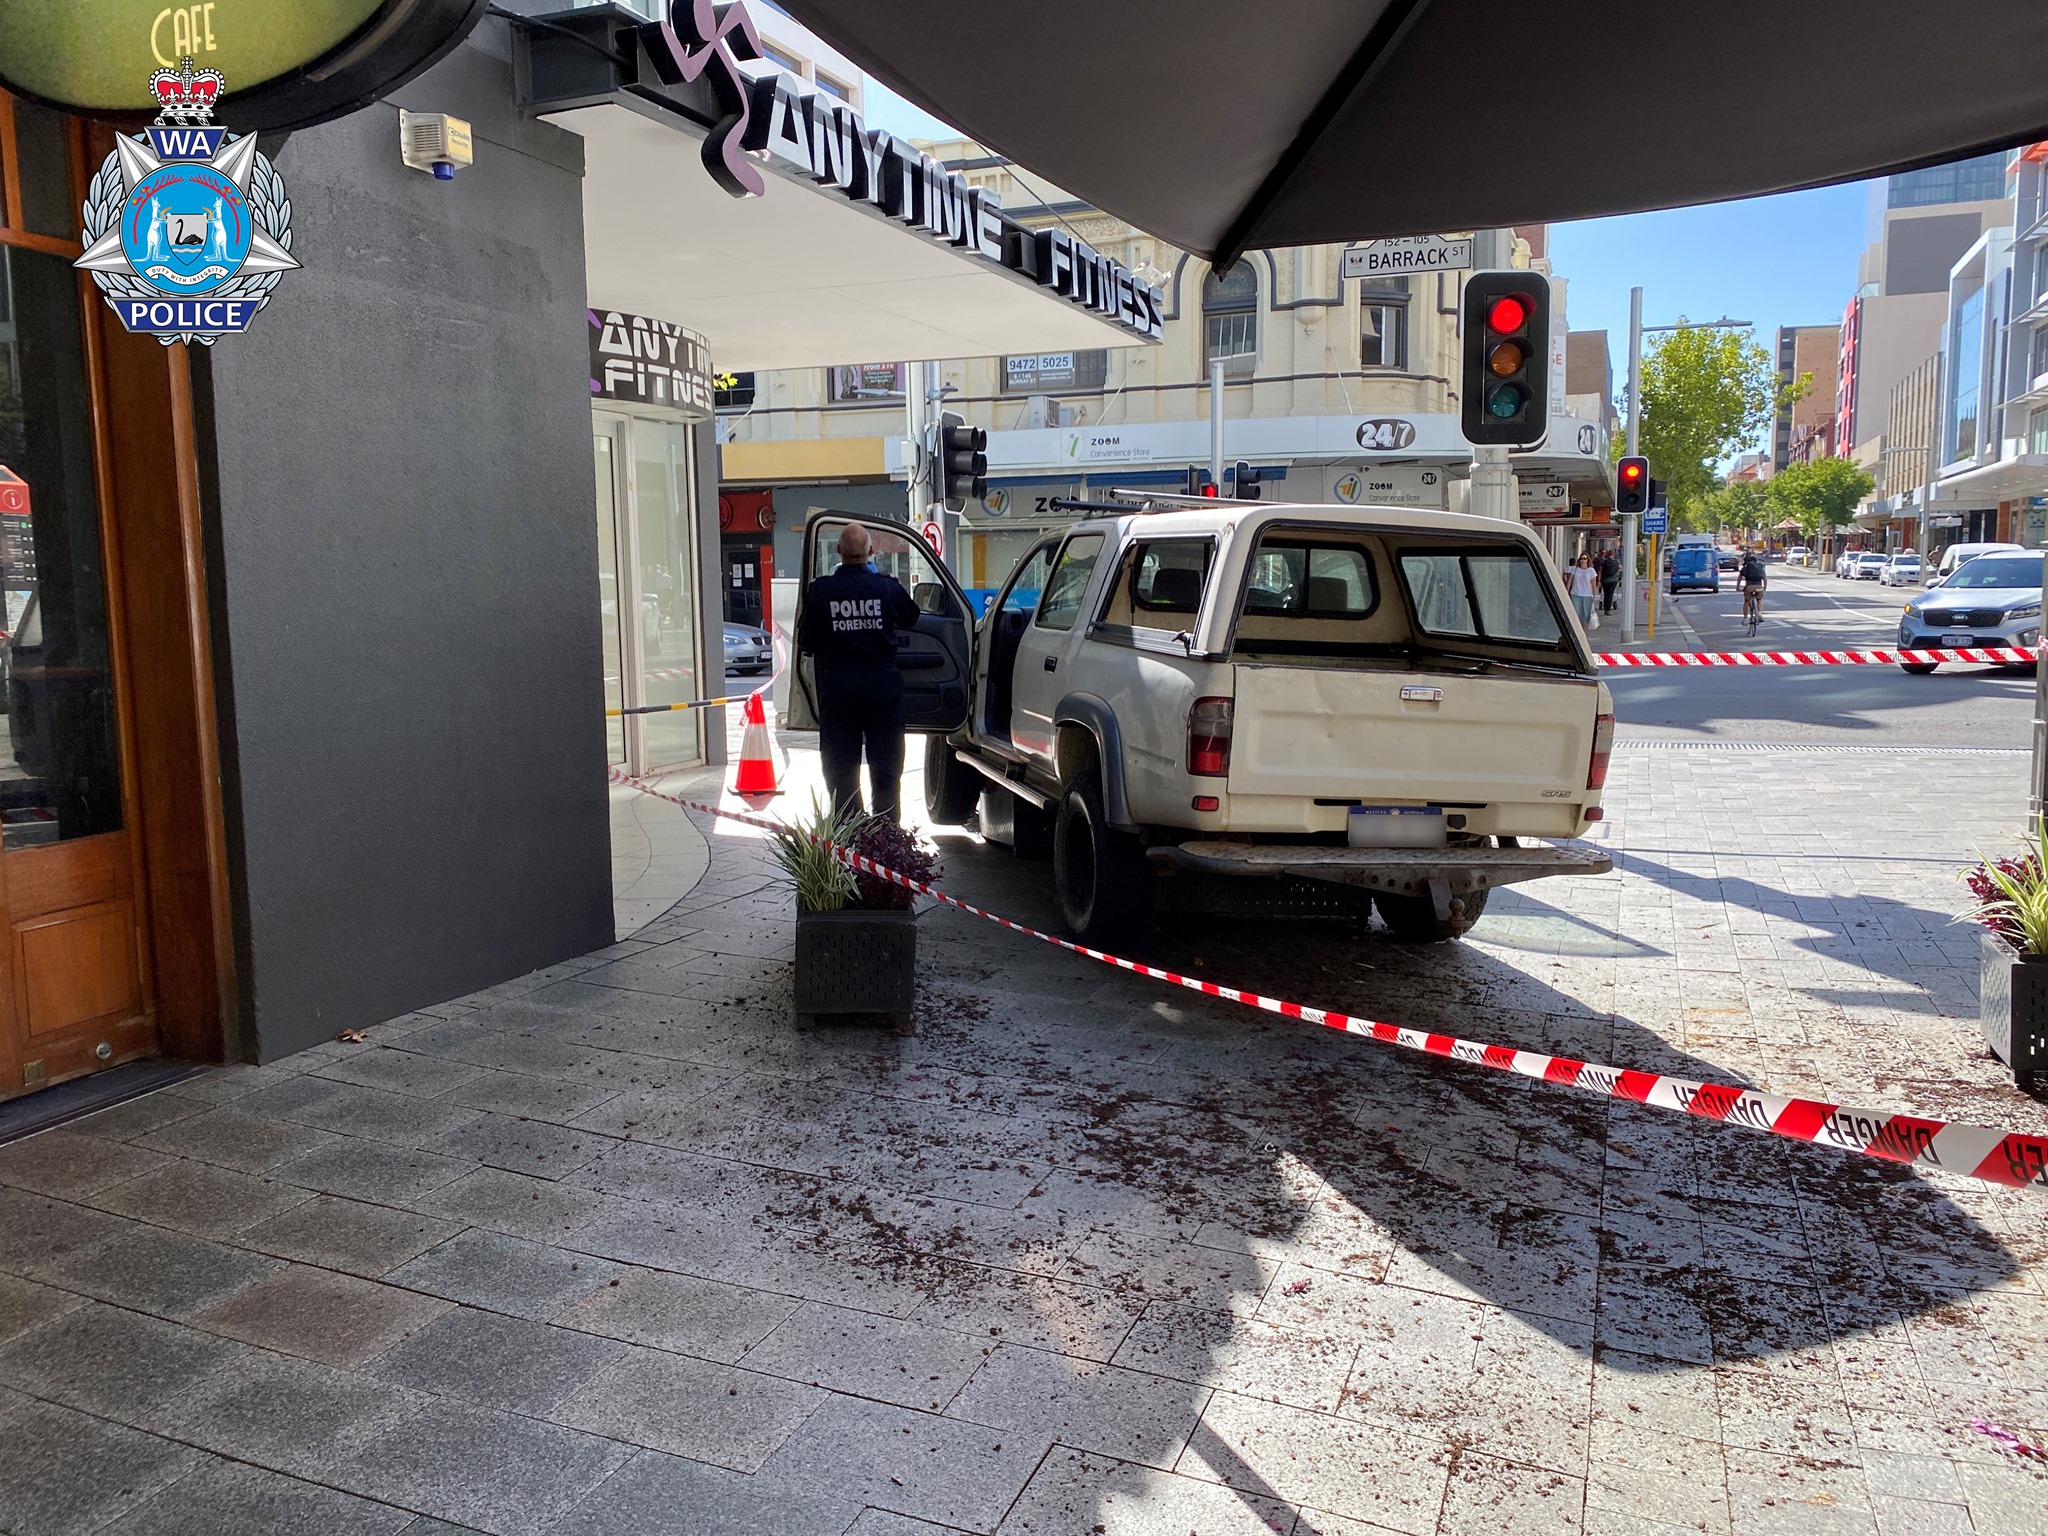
(1603, 748)
(1209, 739)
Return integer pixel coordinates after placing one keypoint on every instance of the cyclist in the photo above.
(1754, 579)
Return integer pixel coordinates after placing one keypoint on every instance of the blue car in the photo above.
(1694, 565)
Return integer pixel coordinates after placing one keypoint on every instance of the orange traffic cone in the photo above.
(757, 772)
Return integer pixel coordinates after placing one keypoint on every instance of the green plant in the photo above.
(2012, 896)
(804, 849)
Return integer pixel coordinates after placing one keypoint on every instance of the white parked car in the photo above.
(1960, 554)
(1798, 554)
(1242, 706)
(1845, 562)
(1901, 570)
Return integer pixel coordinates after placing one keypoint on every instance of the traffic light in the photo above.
(1506, 374)
(1198, 483)
(961, 474)
(1632, 486)
(1247, 482)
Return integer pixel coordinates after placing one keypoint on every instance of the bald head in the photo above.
(854, 546)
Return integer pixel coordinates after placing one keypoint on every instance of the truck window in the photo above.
(1028, 581)
(1061, 603)
(1310, 581)
(1481, 595)
(1159, 584)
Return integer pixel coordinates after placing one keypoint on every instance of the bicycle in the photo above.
(1752, 609)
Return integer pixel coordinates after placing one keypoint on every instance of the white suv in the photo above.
(1241, 706)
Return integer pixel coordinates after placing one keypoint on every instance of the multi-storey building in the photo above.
(1921, 222)
(1994, 418)
(1335, 389)
(1809, 353)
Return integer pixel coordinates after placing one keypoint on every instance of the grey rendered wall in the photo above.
(404, 576)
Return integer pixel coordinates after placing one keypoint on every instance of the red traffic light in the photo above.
(1631, 470)
(1509, 314)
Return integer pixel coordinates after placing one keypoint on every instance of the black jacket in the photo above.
(851, 618)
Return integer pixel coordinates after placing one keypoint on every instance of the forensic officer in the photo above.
(849, 629)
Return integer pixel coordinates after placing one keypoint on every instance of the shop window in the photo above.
(737, 396)
(864, 383)
(60, 756)
(1383, 324)
(1230, 320)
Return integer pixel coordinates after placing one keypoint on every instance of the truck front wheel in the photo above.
(1413, 919)
(1102, 876)
(952, 790)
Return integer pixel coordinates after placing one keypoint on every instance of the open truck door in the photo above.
(935, 657)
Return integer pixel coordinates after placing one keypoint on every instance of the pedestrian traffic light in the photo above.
(1198, 483)
(1247, 482)
(1632, 486)
(961, 474)
(1505, 395)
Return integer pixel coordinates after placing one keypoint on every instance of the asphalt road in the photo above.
(1805, 610)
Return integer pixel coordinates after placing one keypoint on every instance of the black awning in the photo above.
(1222, 125)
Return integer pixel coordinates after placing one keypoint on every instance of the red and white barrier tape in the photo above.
(1983, 656)
(2002, 1157)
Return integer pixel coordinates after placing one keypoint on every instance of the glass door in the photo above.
(74, 956)
(647, 578)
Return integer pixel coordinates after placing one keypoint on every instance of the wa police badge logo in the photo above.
(187, 228)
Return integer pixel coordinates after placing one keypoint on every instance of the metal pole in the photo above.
(1635, 433)
(1216, 423)
(916, 411)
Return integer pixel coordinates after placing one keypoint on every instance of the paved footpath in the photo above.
(618, 1249)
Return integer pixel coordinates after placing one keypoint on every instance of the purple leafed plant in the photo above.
(893, 848)
(1994, 908)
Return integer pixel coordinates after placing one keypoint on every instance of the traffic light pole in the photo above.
(1216, 424)
(1632, 525)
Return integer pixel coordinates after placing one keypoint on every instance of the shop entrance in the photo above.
(647, 564)
(74, 953)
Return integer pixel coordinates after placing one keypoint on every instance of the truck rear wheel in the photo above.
(952, 790)
(1102, 877)
(1413, 919)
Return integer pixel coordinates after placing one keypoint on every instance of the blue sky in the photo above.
(1784, 260)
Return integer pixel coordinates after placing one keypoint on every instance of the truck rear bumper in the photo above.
(1400, 871)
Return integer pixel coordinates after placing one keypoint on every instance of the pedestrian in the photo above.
(848, 628)
(1584, 583)
(1610, 579)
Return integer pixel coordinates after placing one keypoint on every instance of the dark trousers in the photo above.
(1607, 591)
(860, 712)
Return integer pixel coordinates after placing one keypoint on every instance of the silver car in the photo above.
(1993, 600)
(747, 649)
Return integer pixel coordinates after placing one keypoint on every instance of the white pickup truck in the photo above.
(1248, 707)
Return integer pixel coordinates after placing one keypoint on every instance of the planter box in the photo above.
(2012, 1000)
(856, 962)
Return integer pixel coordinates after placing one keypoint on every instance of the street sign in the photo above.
(1657, 520)
(1408, 253)
(934, 535)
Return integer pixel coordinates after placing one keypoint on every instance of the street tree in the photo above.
(1707, 394)
(1818, 495)
(1740, 504)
